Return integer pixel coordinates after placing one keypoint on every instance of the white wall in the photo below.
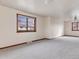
(68, 29)
(8, 35)
(47, 27)
(54, 27)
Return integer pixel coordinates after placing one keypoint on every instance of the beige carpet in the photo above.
(59, 48)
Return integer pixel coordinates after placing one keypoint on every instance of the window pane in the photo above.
(78, 26)
(74, 26)
(30, 23)
(22, 22)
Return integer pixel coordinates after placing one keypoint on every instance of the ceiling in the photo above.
(44, 7)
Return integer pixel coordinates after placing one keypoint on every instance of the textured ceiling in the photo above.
(42, 7)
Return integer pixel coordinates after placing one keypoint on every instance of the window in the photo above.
(75, 26)
(26, 23)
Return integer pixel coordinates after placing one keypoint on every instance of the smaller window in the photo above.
(75, 26)
(26, 23)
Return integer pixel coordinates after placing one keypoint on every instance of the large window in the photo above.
(26, 23)
(75, 26)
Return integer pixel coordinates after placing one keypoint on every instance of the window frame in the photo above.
(77, 26)
(34, 18)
